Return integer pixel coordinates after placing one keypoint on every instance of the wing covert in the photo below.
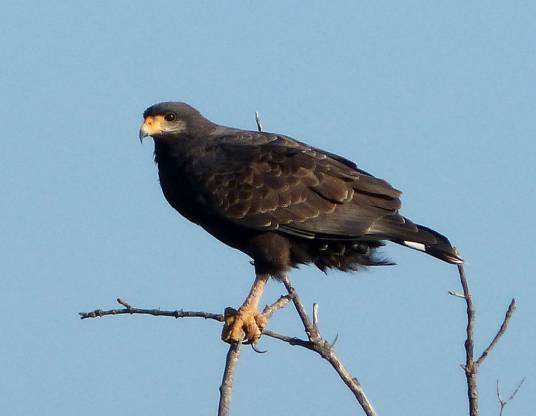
(268, 182)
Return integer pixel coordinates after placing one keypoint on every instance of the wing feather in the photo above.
(268, 182)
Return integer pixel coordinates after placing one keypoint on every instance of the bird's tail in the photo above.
(432, 243)
(403, 231)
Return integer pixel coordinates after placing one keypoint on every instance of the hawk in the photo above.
(278, 200)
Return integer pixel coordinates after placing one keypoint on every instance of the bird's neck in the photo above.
(167, 151)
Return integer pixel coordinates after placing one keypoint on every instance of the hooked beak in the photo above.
(143, 133)
(150, 127)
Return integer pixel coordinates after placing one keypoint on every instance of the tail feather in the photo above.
(432, 243)
(403, 231)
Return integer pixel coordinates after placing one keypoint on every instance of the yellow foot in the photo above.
(244, 324)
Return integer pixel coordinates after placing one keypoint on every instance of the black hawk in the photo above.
(278, 200)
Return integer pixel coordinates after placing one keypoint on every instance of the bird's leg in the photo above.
(246, 323)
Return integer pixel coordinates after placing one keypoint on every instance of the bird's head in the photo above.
(172, 119)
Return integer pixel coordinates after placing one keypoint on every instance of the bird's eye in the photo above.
(170, 116)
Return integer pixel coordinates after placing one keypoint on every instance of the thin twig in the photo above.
(516, 390)
(226, 388)
(290, 340)
(280, 303)
(500, 333)
(325, 350)
(502, 402)
(268, 311)
(258, 121)
(315, 315)
(129, 310)
(456, 294)
(310, 330)
(124, 303)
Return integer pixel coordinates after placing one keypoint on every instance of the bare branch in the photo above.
(311, 331)
(471, 366)
(234, 350)
(502, 402)
(269, 310)
(226, 387)
(315, 343)
(179, 313)
(500, 333)
(325, 350)
(129, 310)
(290, 340)
(516, 390)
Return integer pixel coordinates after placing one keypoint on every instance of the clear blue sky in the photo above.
(436, 97)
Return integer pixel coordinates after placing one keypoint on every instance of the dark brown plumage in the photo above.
(280, 201)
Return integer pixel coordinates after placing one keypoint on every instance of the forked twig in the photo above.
(324, 349)
(318, 345)
(503, 402)
(233, 353)
(471, 366)
(280, 303)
